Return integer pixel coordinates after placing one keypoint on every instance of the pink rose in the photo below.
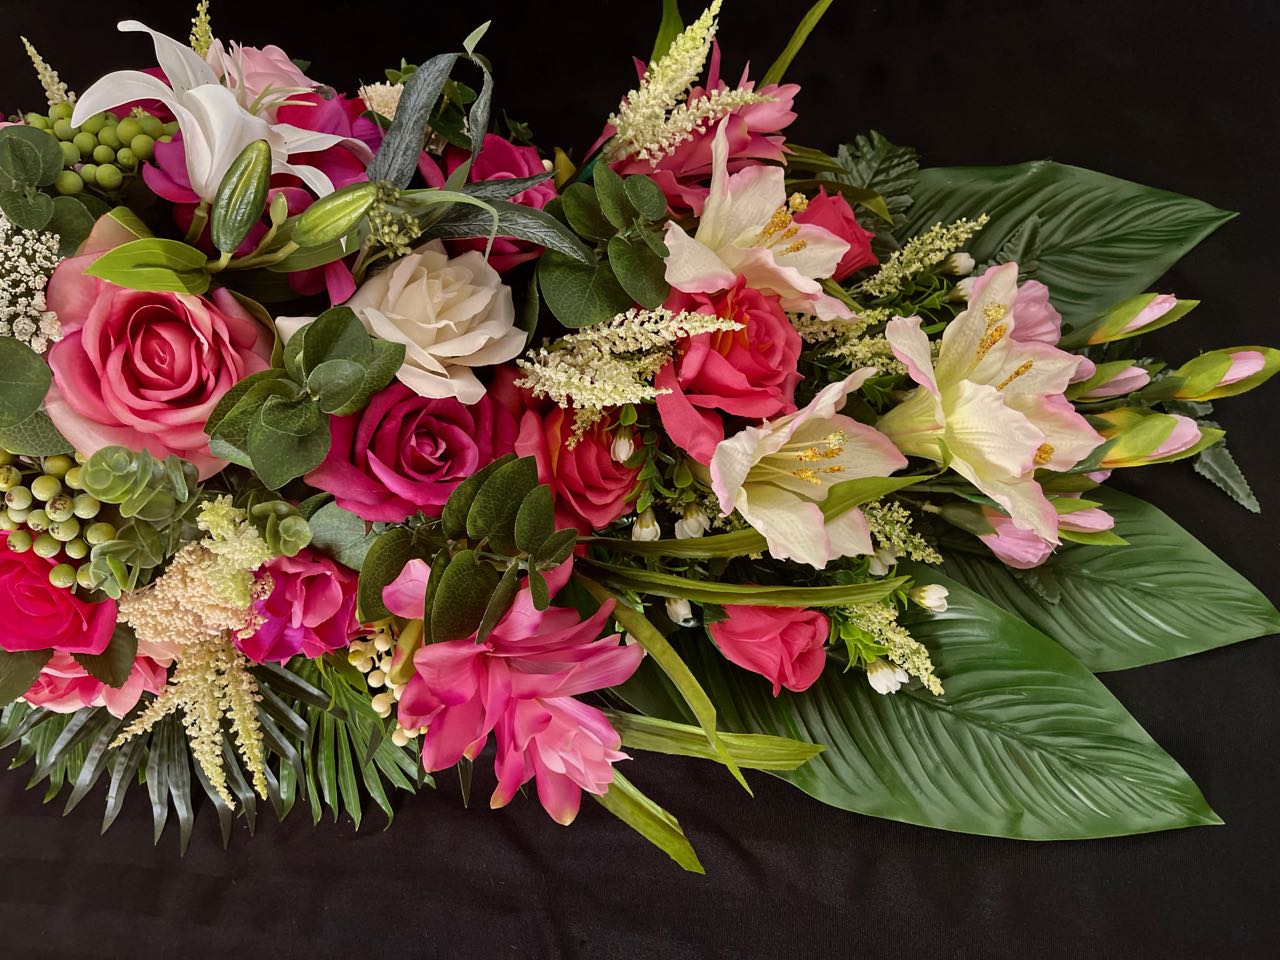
(311, 609)
(748, 373)
(65, 687)
(786, 645)
(832, 212)
(405, 453)
(498, 159)
(590, 487)
(36, 615)
(144, 370)
(257, 74)
(1034, 317)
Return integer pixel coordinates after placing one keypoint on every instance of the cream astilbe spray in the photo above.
(202, 601)
(55, 90)
(201, 29)
(929, 249)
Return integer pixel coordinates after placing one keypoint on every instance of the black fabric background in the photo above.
(1179, 95)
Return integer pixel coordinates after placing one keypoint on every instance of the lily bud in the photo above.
(623, 447)
(886, 676)
(878, 563)
(931, 596)
(958, 264)
(1141, 437)
(1137, 315)
(1225, 373)
(1108, 380)
(680, 612)
(646, 527)
(694, 523)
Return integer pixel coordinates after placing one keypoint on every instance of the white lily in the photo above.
(215, 127)
(993, 402)
(778, 474)
(747, 229)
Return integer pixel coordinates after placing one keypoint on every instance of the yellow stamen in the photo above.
(807, 474)
(835, 468)
(991, 339)
(994, 313)
(808, 455)
(1015, 375)
(798, 203)
(796, 247)
(1044, 453)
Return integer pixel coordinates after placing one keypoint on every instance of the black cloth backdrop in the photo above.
(1180, 95)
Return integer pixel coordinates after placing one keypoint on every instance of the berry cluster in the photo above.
(104, 149)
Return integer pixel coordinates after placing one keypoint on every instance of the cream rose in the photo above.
(451, 313)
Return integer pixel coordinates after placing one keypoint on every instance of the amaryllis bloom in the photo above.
(1024, 549)
(215, 126)
(64, 686)
(144, 370)
(498, 159)
(747, 229)
(786, 645)
(590, 486)
(516, 682)
(778, 474)
(311, 609)
(36, 615)
(750, 372)
(404, 453)
(832, 212)
(1034, 318)
(993, 401)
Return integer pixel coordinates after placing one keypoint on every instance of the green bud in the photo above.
(143, 147)
(61, 111)
(70, 153)
(10, 477)
(18, 498)
(85, 142)
(103, 153)
(45, 546)
(68, 182)
(57, 465)
(19, 541)
(46, 487)
(64, 530)
(7, 523)
(37, 520)
(77, 549)
(17, 516)
(61, 507)
(63, 130)
(127, 129)
(94, 123)
(171, 128)
(109, 176)
(108, 137)
(86, 506)
(63, 576)
(126, 159)
(99, 532)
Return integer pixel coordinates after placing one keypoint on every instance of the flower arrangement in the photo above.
(342, 436)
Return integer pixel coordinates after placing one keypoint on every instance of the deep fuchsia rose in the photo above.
(404, 453)
(144, 370)
(36, 615)
(787, 645)
(832, 212)
(590, 487)
(311, 609)
(65, 687)
(748, 373)
(498, 159)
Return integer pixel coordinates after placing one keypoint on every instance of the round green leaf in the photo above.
(334, 383)
(612, 195)
(493, 513)
(29, 156)
(646, 196)
(31, 212)
(640, 271)
(72, 222)
(460, 601)
(582, 210)
(580, 295)
(24, 380)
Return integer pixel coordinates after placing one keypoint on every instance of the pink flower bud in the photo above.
(1121, 384)
(1153, 311)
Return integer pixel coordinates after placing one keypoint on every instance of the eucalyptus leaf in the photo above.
(453, 517)
(646, 196)
(639, 271)
(24, 380)
(71, 221)
(581, 295)
(497, 502)
(612, 196)
(582, 210)
(36, 436)
(465, 589)
(340, 534)
(31, 211)
(28, 157)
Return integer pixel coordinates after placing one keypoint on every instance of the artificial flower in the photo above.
(259, 77)
(886, 677)
(36, 615)
(785, 645)
(833, 213)
(311, 609)
(778, 474)
(1032, 318)
(931, 596)
(992, 401)
(65, 686)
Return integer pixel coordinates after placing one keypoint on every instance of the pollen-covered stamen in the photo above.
(796, 247)
(1015, 375)
(994, 313)
(807, 474)
(991, 339)
(1044, 453)
(780, 226)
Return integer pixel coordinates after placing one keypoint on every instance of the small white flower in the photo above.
(959, 264)
(646, 527)
(886, 676)
(623, 446)
(694, 523)
(680, 612)
(962, 290)
(931, 596)
(879, 562)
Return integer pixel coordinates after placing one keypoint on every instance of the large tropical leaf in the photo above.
(1100, 239)
(1165, 595)
(1025, 743)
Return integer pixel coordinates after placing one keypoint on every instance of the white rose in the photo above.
(451, 314)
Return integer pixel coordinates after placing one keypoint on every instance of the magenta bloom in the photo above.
(519, 684)
(65, 687)
(36, 615)
(405, 453)
(833, 213)
(498, 159)
(310, 611)
(786, 645)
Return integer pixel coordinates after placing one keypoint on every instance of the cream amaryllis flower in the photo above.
(778, 474)
(747, 229)
(215, 127)
(995, 403)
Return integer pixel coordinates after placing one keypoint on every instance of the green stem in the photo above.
(198, 221)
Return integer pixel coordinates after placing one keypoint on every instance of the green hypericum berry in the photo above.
(63, 576)
(46, 487)
(152, 127)
(126, 159)
(37, 121)
(68, 182)
(17, 516)
(18, 498)
(108, 137)
(89, 173)
(10, 477)
(63, 130)
(45, 546)
(127, 129)
(94, 123)
(171, 128)
(143, 147)
(7, 523)
(99, 532)
(86, 506)
(57, 465)
(76, 549)
(103, 153)
(109, 176)
(72, 478)
(38, 520)
(64, 530)
(84, 577)
(85, 142)
(61, 111)
(61, 507)
(19, 541)
(70, 152)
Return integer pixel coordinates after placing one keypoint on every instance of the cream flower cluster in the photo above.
(920, 253)
(27, 259)
(55, 90)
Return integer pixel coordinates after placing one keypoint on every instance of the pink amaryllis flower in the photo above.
(519, 683)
